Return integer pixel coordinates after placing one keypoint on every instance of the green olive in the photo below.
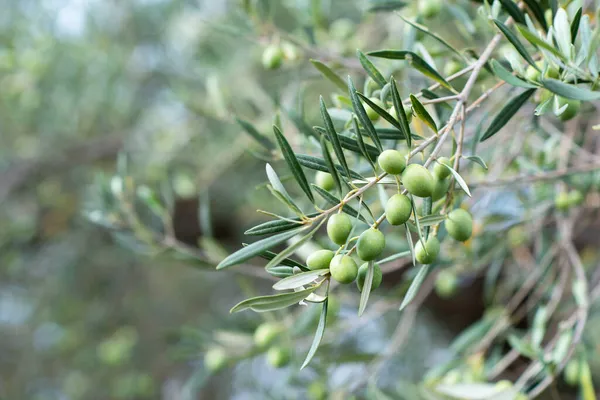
(290, 51)
(428, 253)
(440, 189)
(320, 259)
(459, 224)
(430, 8)
(398, 209)
(317, 391)
(371, 113)
(362, 276)
(575, 198)
(272, 57)
(266, 333)
(572, 109)
(215, 359)
(324, 180)
(516, 236)
(439, 171)
(392, 161)
(279, 356)
(343, 269)
(572, 372)
(446, 283)
(452, 67)
(552, 72)
(370, 244)
(418, 180)
(338, 228)
(407, 112)
(532, 73)
(562, 201)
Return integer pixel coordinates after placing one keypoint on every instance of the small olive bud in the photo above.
(343, 269)
(362, 276)
(428, 253)
(398, 209)
(392, 161)
(459, 224)
(370, 244)
(430, 8)
(418, 180)
(339, 227)
(320, 259)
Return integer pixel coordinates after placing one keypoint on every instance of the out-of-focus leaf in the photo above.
(318, 164)
(299, 123)
(522, 347)
(318, 335)
(361, 143)
(461, 182)
(385, 5)
(569, 91)
(274, 302)
(293, 163)
(432, 219)
(415, 286)
(371, 70)
(380, 111)
(426, 31)
(301, 279)
(561, 348)
(512, 38)
(288, 262)
(394, 257)
(399, 107)
(366, 291)
(509, 78)
(476, 391)
(362, 115)
(331, 166)
(422, 113)
(252, 131)
(507, 112)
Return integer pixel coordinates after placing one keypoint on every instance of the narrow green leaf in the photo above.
(288, 262)
(291, 249)
(360, 112)
(538, 12)
(275, 181)
(364, 296)
(252, 131)
(417, 224)
(509, 78)
(381, 111)
(276, 226)
(273, 302)
(513, 10)
(478, 160)
(333, 136)
(332, 200)
(569, 91)
(281, 271)
(522, 347)
(256, 248)
(422, 113)
(293, 163)
(538, 42)
(399, 107)
(507, 112)
(516, 43)
(318, 164)
(426, 31)
(411, 246)
(459, 179)
(385, 5)
(416, 62)
(331, 166)
(415, 286)
(432, 219)
(318, 335)
(329, 74)
(301, 279)
(286, 200)
(575, 25)
(394, 257)
(351, 144)
(390, 134)
(361, 143)
(539, 327)
(371, 70)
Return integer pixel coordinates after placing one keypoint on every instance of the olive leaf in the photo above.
(288, 262)
(477, 160)
(461, 182)
(385, 5)
(414, 61)
(366, 290)
(256, 248)
(411, 246)
(507, 112)
(329, 74)
(361, 143)
(298, 280)
(276, 226)
(286, 200)
(333, 136)
(292, 248)
(360, 112)
(513, 10)
(538, 42)
(399, 107)
(575, 25)
(432, 219)
(524, 348)
(415, 286)
(318, 164)
(293, 163)
(318, 334)
(422, 113)
(380, 111)
(328, 161)
(426, 31)
(516, 43)
(394, 257)
(508, 77)
(281, 271)
(273, 302)
(371, 70)
(351, 144)
(253, 132)
(569, 91)
(538, 12)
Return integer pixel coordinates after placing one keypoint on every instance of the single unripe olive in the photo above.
(272, 57)
(398, 209)
(545, 95)
(317, 391)
(324, 180)
(279, 356)
(572, 372)
(215, 359)
(407, 112)
(290, 51)
(440, 189)
(266, 333)
(392, 161)
(372, 114)
(552, 72)
(459, 224)
(418, 180)
(338, 228)
(320, 259)
(446, 283)
(362, 275)
(532, 74)
(561, 201)
(343, 269)
(370, 244)
(439, 171)
(572, 109)
(575, 198)
(430, 8)
(452, 67)
(428, 253)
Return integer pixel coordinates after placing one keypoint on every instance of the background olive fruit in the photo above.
(446, 283)
(266, 333)
(343, 269)
(459, 224)
(418, 180)
(575, 198)
(370, 244)
(272, 57)
(572, 109)
(439, 171)
(562, 201)
(452, 67)
(407, 112)
(398, 209)
(279, 356)
(392, 161)
(324, 180)
(429, 8)
(362, 275)
(215, 359)
(440, 189)
(572, 371)
(320, 259)
(339, 227)
(290, 51)
(432, 245)
(372, 114)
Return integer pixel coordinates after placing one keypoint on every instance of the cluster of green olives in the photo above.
(566, 200)
(274, 54)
